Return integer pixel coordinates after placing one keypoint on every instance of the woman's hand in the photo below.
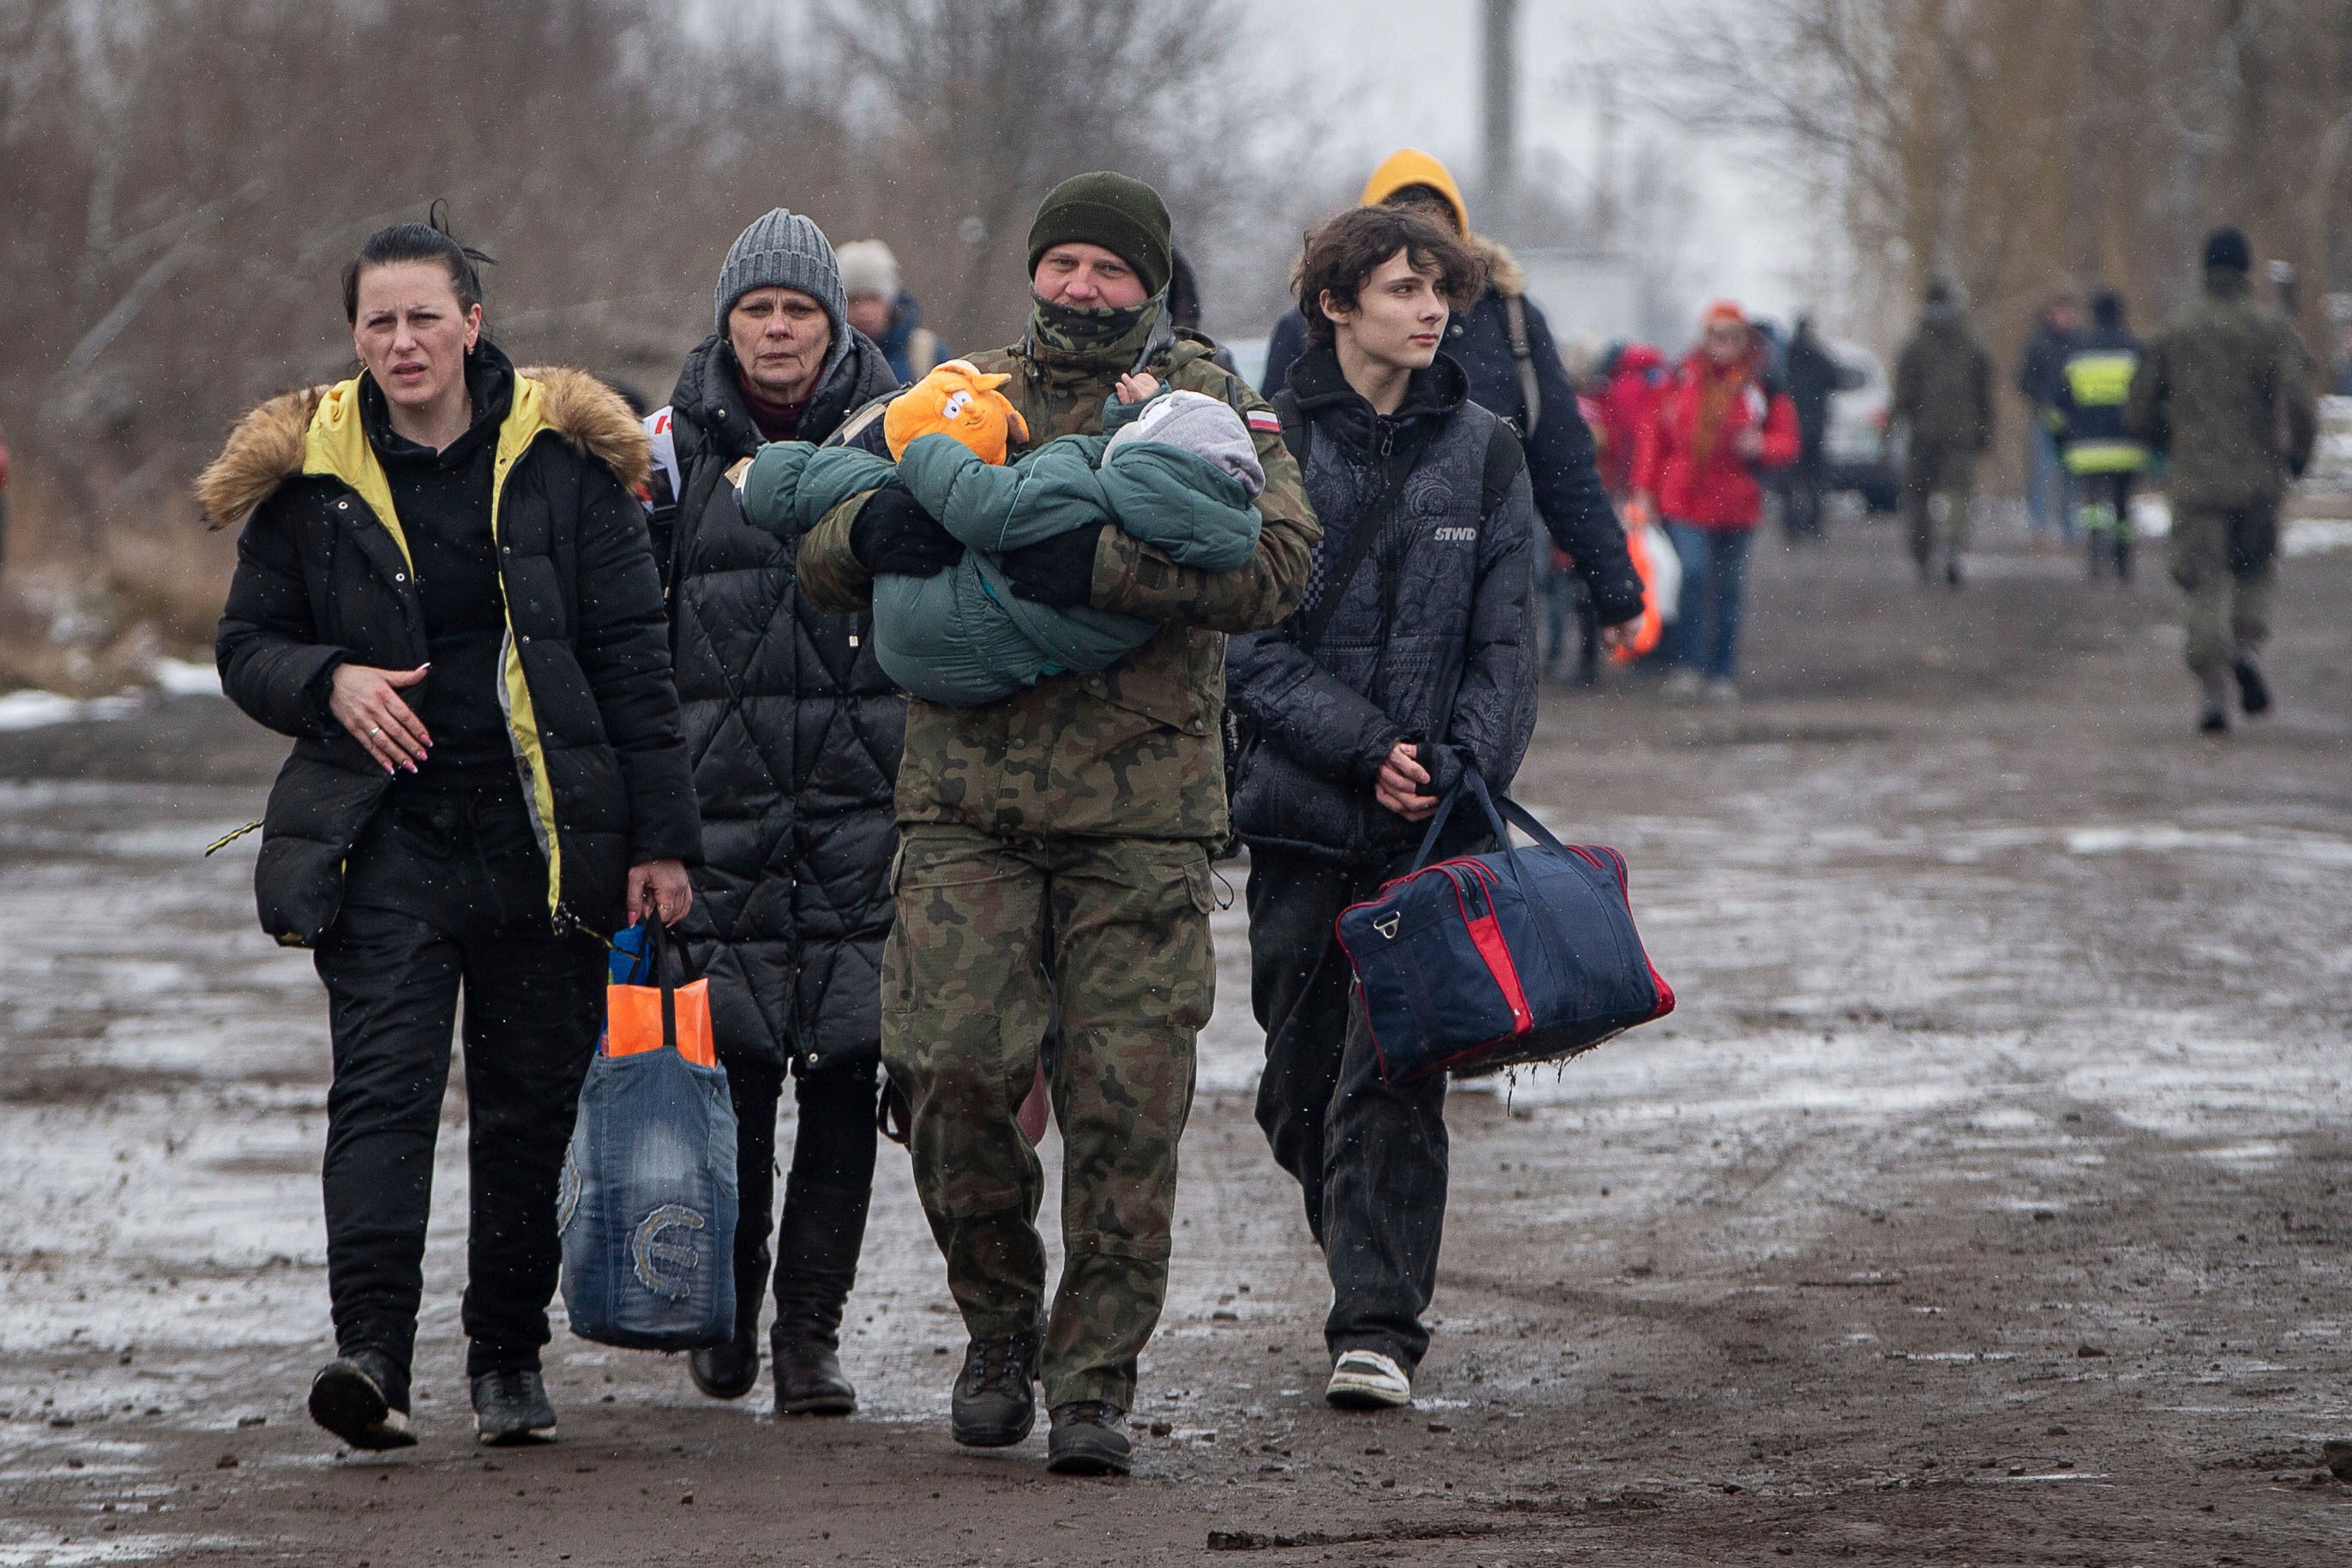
(660, 886)
(366, 701)
(1749, 444)
(1399, 785)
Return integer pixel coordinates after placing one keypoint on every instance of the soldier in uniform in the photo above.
(2226, 391)
(1055, 858)
(1943, 395)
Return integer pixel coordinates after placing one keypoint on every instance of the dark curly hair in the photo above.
(1344, 253)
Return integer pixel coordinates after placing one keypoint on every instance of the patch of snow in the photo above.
(2316, 536)
(37, 710)
(187, 678)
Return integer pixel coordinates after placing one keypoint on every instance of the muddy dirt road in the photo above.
(1985, 1203)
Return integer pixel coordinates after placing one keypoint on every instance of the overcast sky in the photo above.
(1406, 74)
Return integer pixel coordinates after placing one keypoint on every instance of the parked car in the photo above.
(1859, 456)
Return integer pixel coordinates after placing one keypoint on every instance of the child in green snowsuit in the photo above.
(1177, 470)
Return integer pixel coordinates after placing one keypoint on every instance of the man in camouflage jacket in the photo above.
(1055, 859)
(2226, 392)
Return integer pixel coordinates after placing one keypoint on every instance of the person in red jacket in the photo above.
(1635, 382)
(1720, 421)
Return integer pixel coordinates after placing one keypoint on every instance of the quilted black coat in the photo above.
(793, 734)
(1434, 640)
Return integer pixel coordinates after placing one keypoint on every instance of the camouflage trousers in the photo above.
(993, 937)
(2224, 558)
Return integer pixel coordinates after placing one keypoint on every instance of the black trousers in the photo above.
(1801, 517)
(446, 897)
(1370, 1157)
(833, 1146)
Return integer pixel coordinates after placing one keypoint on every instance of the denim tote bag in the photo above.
(648, 1204)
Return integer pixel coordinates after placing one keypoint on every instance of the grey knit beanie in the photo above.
(1205, 426)
(784, 250)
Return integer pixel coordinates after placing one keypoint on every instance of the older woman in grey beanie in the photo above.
(794, 732)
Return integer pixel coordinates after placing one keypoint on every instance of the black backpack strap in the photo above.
(1297, 430)
(1523, 356)
(1506, 461)
(1396, 467)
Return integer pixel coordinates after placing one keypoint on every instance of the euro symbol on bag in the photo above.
(664, 1265)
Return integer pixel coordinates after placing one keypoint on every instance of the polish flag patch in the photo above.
(1264, 421)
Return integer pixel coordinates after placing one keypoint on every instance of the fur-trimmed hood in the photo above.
(1503, 269)
(270, 444)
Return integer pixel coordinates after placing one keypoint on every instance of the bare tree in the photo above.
(2019, 144)
(184, 180)
(979, 106)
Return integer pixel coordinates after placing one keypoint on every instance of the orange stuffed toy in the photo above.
(955, 400)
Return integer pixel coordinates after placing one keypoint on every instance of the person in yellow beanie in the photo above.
(1504, 346)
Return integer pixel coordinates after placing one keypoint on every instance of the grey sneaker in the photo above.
(511, 1406)
(1085, 1440)
(1367, 1380)
(352, 1398)
(993, 1406)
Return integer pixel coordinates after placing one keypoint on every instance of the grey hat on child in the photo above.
(1205, 426)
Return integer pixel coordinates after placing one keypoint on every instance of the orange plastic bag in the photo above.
(1651, 624)
(661, 1016)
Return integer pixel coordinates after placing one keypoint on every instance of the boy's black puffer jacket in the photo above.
(1434, 640)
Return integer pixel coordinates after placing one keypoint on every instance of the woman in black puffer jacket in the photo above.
(444, 594)
(796, 734)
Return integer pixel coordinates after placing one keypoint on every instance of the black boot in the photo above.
(817, 1243)
(728, 1371)
(363, 1399)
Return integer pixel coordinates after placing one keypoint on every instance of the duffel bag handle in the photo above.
(1497, 814)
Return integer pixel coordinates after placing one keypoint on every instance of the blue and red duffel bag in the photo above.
(1491, 961)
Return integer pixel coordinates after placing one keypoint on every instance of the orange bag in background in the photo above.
(1661, 574)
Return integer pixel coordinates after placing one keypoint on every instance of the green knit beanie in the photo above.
(1123, 215)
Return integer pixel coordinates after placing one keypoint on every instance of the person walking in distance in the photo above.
(879, 307)
(1943, 398)
(1055, 855)
(2041, 369)
(1814, 375)
(1412, 657)
(1719, 421)
(2225, 392)
(2102, 456)
(443, 595)
(795, 730)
